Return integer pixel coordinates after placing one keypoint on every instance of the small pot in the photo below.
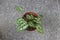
(35, 15)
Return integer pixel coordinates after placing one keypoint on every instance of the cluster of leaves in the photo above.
(35, 22)
(32, 21)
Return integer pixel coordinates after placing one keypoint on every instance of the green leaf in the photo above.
(19, 8)
(18, 20)
(21, 24)
(19, 28)
(37, 20)
(31, 24)
(39, 29)
(29, 17)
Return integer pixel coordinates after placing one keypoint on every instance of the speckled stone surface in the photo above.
(50, 9)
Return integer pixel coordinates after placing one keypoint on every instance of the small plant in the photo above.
(30, 21)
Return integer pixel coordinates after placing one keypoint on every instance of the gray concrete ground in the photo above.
(50, 9)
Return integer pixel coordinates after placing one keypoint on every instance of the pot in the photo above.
(35, 15)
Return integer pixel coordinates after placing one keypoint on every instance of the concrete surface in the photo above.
(50, 9)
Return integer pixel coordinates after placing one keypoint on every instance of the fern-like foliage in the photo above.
(21, 24)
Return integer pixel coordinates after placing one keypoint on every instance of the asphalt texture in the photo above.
(50, 9)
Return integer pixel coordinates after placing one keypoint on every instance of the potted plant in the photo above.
(30, 21)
